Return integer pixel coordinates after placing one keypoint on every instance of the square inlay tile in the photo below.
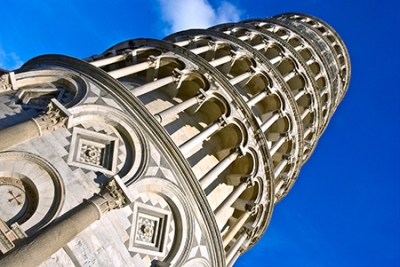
(93, 151)
(36, 98)
(149, 230)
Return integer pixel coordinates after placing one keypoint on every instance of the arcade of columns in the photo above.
(243, 103)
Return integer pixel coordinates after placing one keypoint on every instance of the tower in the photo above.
(166, 152)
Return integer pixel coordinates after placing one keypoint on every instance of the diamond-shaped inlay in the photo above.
(149, 233)
(93, 151)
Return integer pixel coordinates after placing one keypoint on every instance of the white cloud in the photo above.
(9, 60)
(186, 14)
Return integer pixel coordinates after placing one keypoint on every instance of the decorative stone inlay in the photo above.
(37, 88)
(146, 229)
(91, 154)
(105, 140)
(18, 200)
(159, 221)
(150, 229)
(37, 98)
(12, 197)
(93, 151)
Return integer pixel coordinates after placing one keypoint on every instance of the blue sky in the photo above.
(344, 209)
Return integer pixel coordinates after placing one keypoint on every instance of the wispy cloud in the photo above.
(9, 60)
(186, 14)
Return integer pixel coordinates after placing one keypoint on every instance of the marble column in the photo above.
(203, 135)
(154, 85)
(234, 229)
(212, 174)
(55, 116)
(235, 248)
(230, 199)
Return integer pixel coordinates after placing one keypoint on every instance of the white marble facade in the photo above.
(200, 134)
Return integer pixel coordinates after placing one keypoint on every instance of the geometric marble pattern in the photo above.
(153, 228)
(158, 166)
(148, 233)
(39, 98)
(93, 148)
(100, 97)
(199, 247)
(93, 151)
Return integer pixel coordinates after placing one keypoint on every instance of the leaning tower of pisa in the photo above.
(166, 152)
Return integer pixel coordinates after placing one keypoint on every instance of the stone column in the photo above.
(110, 60)
(257, 98)
(55, 116)
(203, 135)
(235, 248)
(279, 168)
(148, 87)
(199, 99)
(306, 111)
(231, 198)
(299, 94)
(122, 72)
(234, 229)
(114, 196)
(212, 174)
(278, 144)
(275, 116)
(240, 78)
(235, 257)
(200, 50)
(221, 60)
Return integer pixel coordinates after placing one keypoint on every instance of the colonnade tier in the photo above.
(245, 103)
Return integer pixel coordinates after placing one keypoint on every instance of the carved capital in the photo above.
(5, 84)
(113, 196)
(202, 96)
(222, 121)
(249, 232)
(128, 55)
(252, 208)
(153, 61)
(247, 180)
(212, 45)
(53, 118)
(177, 75)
